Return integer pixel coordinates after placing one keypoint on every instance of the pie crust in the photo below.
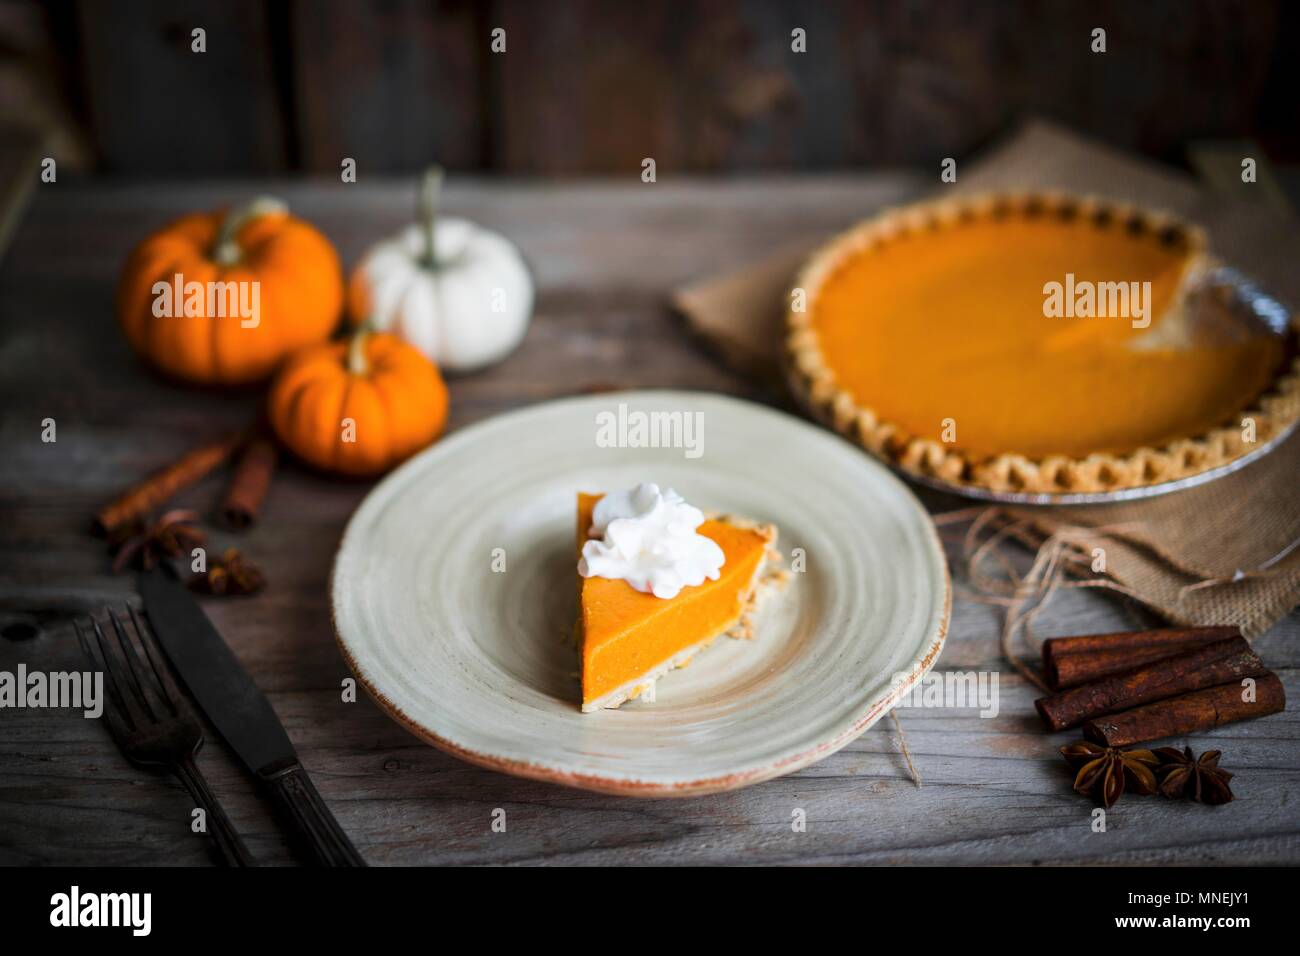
(683, 633)
(814, 384)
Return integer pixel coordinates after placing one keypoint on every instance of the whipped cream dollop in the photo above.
(647, 538)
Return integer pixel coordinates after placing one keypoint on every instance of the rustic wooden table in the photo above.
(605, 254)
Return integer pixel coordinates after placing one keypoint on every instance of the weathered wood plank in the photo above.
(605, 255)
(589, 86)
(159, 108)
(21, 153)
(704, 85)
(394, 86)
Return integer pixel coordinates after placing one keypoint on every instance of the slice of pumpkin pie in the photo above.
(658, 582)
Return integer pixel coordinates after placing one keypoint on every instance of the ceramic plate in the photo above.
(454, 597)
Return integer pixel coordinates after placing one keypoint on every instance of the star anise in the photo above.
(1198, 779)
(172, 535)
(231, 574)
(1104, 772)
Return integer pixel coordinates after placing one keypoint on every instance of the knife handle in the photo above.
(297, 794)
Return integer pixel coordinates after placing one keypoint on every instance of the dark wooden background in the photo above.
(701, 85)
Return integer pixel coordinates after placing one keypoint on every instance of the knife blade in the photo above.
(239, 710)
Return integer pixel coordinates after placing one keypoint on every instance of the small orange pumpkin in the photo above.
(358, 407)
(188, 303)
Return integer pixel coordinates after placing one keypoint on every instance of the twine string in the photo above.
(902, 745)
(1060, 562)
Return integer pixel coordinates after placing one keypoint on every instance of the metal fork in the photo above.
(151, 722)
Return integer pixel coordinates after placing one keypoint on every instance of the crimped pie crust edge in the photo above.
(813, 382)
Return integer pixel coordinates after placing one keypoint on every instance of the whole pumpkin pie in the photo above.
(1033, 344)
(629, 638)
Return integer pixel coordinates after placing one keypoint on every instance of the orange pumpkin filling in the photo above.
(628, 636)
(949, 324)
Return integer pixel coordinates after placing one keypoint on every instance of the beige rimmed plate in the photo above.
(454, 597)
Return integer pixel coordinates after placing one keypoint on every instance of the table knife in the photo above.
(222, 688)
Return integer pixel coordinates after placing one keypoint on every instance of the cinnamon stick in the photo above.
(252, 477)
(1070, 661)
(1073, 670)
(1206, 666)
(162, 484)
(1188, 714)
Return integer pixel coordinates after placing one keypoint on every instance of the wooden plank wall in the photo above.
(156, 108)
(591, 86)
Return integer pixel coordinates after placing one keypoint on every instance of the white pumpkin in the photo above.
(459, 293)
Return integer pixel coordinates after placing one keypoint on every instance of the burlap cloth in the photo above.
(1227, 552)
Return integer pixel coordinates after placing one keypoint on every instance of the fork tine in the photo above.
(113, 666)
(137, 668)
(114, 711)
(171, 693)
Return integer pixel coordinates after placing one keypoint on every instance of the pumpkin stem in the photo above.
(225, 250)
(358, 364)
(427, 212)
